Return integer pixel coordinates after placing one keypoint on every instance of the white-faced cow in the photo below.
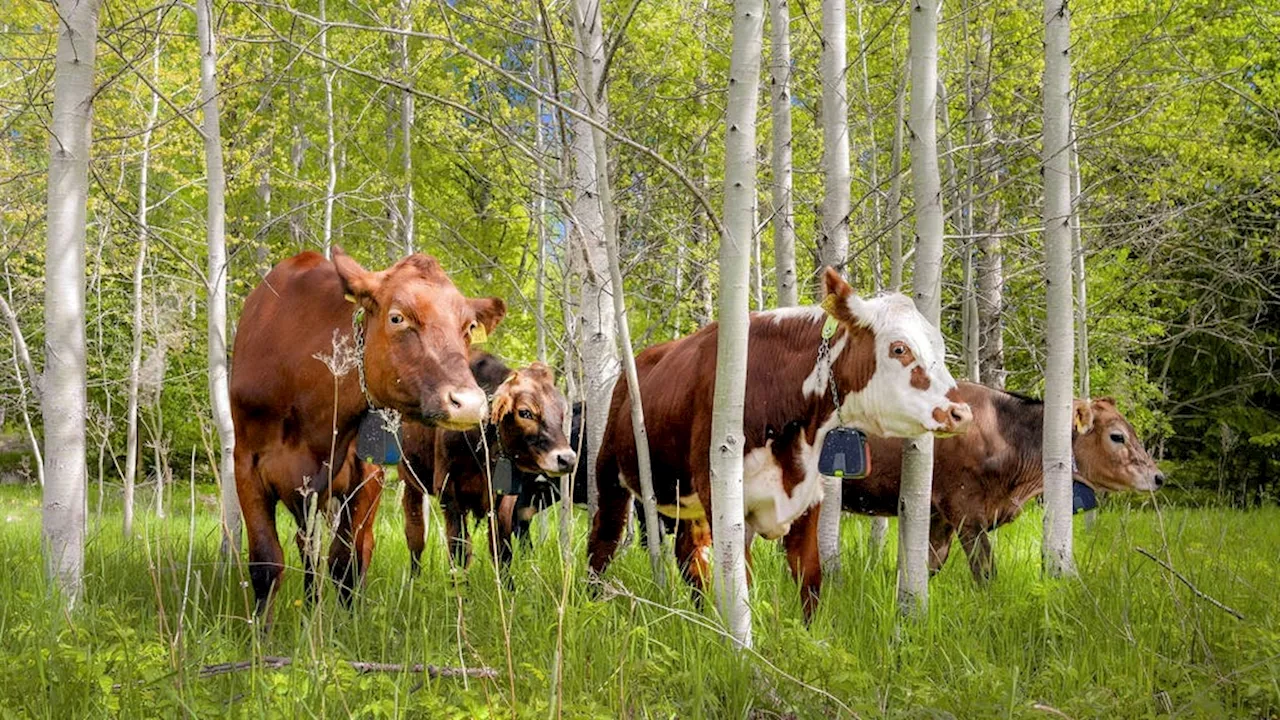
(882, 370)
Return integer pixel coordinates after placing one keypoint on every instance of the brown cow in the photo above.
(526, 426)
(885, 364)
(405, 334)
(983, 478)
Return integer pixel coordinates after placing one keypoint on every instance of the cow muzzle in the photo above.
(464, 408)
(952, 419)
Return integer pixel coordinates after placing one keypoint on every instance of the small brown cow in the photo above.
(983, 478)
(295, 422)
(883, 361)
(525, 426)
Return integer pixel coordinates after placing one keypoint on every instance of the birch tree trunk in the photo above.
(135, 358)
(540, 215)
(917, 458)
(216, 278)
(990, 255)
(600, 362)
(1081, 291)
(591, 43)
(728, 524)
(331, 184)
(64, 391)
(895, 184)
(784, 230)
(1058, 560)
(406, 128)
(833, 241)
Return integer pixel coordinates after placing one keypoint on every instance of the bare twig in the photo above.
(271, 662)
(1198, 593)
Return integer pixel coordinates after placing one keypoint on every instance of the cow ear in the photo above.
(540, 373)
(1106, 402)
(357, 282)
(502, 401)
(841, 302)
(489, 311)
(1081, 415)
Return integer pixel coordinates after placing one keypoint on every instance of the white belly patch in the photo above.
(769, 510)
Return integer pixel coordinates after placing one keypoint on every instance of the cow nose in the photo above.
(466, 407)
(1159, 480)
(959, 415)
(565, 459)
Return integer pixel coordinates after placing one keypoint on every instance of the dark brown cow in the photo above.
(526, 426)
(407, 333)
(884, 362)
(983, 478)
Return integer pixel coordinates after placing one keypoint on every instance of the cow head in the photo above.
(529, 412)
(896, 372)
(418, 330)
(1109, 455)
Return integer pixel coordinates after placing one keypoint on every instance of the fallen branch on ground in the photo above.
(271, 662)
(1193, 588)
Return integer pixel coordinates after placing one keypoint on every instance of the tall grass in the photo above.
(1125, 640)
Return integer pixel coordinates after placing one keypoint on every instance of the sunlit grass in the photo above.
(1126, 640)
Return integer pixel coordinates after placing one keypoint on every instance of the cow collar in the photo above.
(829, 327)
(357, 335)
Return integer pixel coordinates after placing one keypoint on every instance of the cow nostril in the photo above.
(566, 460)
(455, 402)
(1159, 479)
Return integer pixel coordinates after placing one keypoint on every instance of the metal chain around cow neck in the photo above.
(357, 336)
(829, 327)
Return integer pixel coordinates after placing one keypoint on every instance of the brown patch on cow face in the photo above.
(1109, 454)
(920, 381)
(417, 337)
(529, 412)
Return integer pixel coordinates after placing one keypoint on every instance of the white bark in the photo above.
(872, 164)
(990, 256)
(879, 535)
(587, 21)
(135, 358)
(600, 362)
(1058, 560)
(26, 417)
(1081, 293)
(64, 390)
(926, 283)
(216, 278)
(833, 241)
(331, 184)
(784, 230)
(540, 214)
(20, 345)
(406, 128)
(895, 184)
(728, 525)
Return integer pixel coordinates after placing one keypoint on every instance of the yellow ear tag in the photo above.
(830, 324)
(479, 335)
(349, 297)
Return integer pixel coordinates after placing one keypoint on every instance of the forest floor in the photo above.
(1127, 639)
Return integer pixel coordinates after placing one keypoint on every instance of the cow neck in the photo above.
(489, 436)
(1021, 421)
(854, 359)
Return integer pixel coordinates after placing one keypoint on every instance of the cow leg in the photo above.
(801, 543)
(266, 557)
(693, 550)
(977, 547)
(455, 528)
(940, 532)
(501, 530)
(610, 520)
(414, 525)
(355, 532)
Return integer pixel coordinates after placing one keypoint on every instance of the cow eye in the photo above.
(899, 349)
(1117, 438)
(525, 414)
(396, 317)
